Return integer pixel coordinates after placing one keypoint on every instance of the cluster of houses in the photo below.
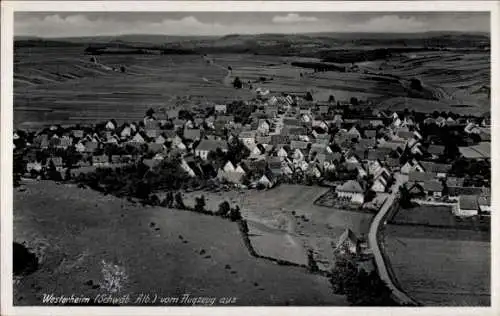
(288, 138)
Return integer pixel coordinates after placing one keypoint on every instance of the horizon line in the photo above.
(250, 34)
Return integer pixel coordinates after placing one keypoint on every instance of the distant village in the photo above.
(352, 147)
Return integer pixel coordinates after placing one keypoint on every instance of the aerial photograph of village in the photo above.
(251, 159)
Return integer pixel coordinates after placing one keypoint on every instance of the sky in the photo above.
(76, 24)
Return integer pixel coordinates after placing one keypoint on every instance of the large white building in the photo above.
(351, 190)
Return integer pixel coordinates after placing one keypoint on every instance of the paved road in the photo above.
(399, 295)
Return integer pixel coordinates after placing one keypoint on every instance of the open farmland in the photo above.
(429, 264)
(284, 222)
(61, 85)
(87, 92)
(162, 251)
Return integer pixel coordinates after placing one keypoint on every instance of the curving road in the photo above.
(381, 216)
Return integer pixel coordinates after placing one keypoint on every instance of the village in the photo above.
(444, 158)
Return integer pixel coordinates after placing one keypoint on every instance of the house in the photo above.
(264, 140)
(467, 205)
(376, 122)
(472, 128)
(150, 131)
(484, 203)
(206, 146)
(296, 144)
(57, 161)
(429, 121)
(77, 133)
(416, 176)
(412, 165)
(279, 139)
(79, 147)
(440, 121)
(264, 126)
(433, 188)
(374, 166)
(138, 138)
(151, 163)
(454, 182)
(436, 150)
(314, 170)
(220, 108)
(351, 190)
(348, 242)
(366, 143)
(91, 146)
(126, 132)
(187, 168)
(380, 184)
(229, 167)
(298, 155)
(370, 134)
(65, 142)
(282, 153)
(354, 133)
(156, 148)
(267, 181)
(230, 176)
(178, 123)
(192, 134)
(100, 160)
(110, 125)
(160, 139)
(327, 160)
(34, 166)
(247, 138)
(440, 169)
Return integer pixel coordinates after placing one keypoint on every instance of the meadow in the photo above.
(429, 264)
(78, 234)
(284, 223)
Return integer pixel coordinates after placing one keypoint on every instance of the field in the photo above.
(284, 222)
(61, 85)
(437, 216)
(80, 235)
(440, 267)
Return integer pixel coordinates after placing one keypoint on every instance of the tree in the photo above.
(354, 101)
(416, 84)
(331, 99)
(150, 112)
(200, 204)
(154, 200)
(52, 173)
(224, 209)
(122, 68)
(179, 202)
(361, 288)
(237, 83)
(235, 214)
(308, 96)
(311, 262)
(405, 197)
(370, 195)
(67, 175)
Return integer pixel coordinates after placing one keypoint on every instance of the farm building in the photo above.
(484, 205)
(467, 205)
(351, 190)
(347, 242)
(220, 109)
(206, 146)
(433, 188)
